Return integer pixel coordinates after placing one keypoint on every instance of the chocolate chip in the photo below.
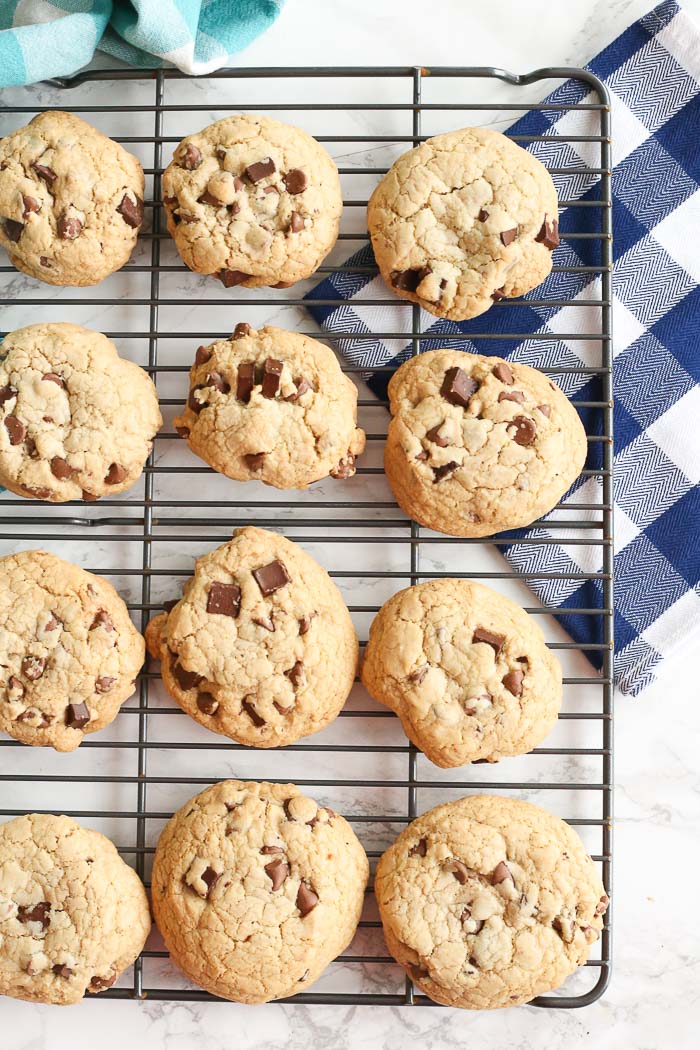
(252, 714)
(104, 684)
(502, 371)
(270, 578)
(282, 710)
(268, 850)
(302, 387)
(272, 370)
(508, 236)
(101, 619)
(238, 184)
(419, 674)
(203, 355)
(69, 227)
(434, 435)
(209, 198)
(549, 234)
(7, 393)
(345, 469)
(266, 624)
(483, 215)
(224, 599)
(261, 169)
(88, 497)
(77, 716)
(245, 381)
(500, 873)
(184, 432)
(278, 871)
(192, 403)
(460, 871)
(295, 181)
(525, 430)
(217, 381)
(47, 175)
(230, 278)
(546, 410)
(254, 460)
(185, 679)
(513, 395)
(45, 261)
(98, 984)
(53, 377)
(296, 674)
(207, 703)
(497, 294)
(307, 898)
(191, 157)
(33, 667)
(457, 387)
(408, 280)
(444, 471)
(30, 204)
(513, 682)
(420, 849)
(241, 329)
(16, 687)
(16, 429)
(489, 638)
(305, 623)
(60, 468)
(115, 475)
(296, 223)
(423, 455)
(13, 229)
(210, 879)
(61, 970)
(39, 913)
(131, 211)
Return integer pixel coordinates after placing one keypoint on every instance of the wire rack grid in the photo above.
(127, 780)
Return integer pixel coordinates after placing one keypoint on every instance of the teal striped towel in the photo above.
(40, 39)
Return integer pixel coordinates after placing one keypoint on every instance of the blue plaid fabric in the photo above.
(653, 74)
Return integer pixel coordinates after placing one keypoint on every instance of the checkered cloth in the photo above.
(40, 39)
(653, 74)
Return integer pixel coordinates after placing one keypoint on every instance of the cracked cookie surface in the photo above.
(477, 445)
(256, 889)
(252, 201)
(272, 406)
(464, 219)
(76, 420)
(69, 653)
(73, 915)
(488, 901)
(71, 200)
(465, 669)
(261, 646)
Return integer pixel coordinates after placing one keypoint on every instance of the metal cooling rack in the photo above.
(127, 780)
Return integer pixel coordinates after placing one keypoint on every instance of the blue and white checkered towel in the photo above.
(40, 39)
(653, 74)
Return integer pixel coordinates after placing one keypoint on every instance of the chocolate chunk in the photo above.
(193, 403)
(52, 377)
(295, 181)
(185, 679)
(241, 329)
(278, 871)
(203, 355)
(282, 710)
(513, 395)
(483, 215)
(283, 284)
(69, 227)
(39, 913)
(238, 184)
(525, 430)
(444, 471)
(170, 604)
(184, 432)
(270, 578)
(131, 211)
(217, 381)
(224, 599)
(115, 475)
(30, 204)
(457, 387)
(61, 970)
(101, 619)
(305, 623)
(210, 879)
(513, 682)
(60, 468)
(77, 716)
(209, 198)
(272, 370)
(184, 216)
(13, 229)
(417, 676)
(549, 234)
(546, 410)
(207, 703)
(602, 905)
(420, 849)
(254, 460)
(15, 687)
(7, 393)
(88, 497)
(268, 850)
(104, 684)
(266, 624)
(418, 973)
(33, 667)
(191, 157)
(252, 714)
(422, 456)
(408, 280)
(296, 223)
(434, 435)
(489, 638)
(500, 873)
(230, 278)
(302, 387)
(47, 175)
(497, 294)
(508, 236)
(99, 984)
(307, 898)
(261, 169)
(16, 429)
(460, 871)
(45, 261)
(245, 381)
(296, 674)
(345, 469)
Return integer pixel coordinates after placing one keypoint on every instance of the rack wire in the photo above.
(127, 780)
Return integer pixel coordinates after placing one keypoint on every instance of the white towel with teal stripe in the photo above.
(40, 39)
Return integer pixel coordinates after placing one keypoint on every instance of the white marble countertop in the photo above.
(654, 998)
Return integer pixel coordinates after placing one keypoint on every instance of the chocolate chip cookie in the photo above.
(261, 646)
(256, 889)
(466, 670)
(462, 220)
(478, 445)
(73, 915)
(488, 902)
(272, 406)
(252, 202)
(71, 200)
(76, 420)
(69, 652)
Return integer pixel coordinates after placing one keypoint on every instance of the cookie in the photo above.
(71, 200)
(73, 915)
(69, 653)
(489, 902)
(256, 889)
(464, 219)
(76, 420)
(272, 406)
(478, 445)
(252, 202)
(261, 646)
(465, 669)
